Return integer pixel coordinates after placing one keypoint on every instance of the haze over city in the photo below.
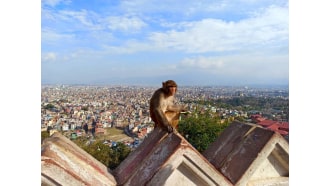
(147, 42)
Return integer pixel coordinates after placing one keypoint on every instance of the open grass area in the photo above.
(115, 134)
(114, 131)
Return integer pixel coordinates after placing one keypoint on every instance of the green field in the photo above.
(115, 134)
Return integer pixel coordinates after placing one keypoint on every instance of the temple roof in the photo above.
(243, 154)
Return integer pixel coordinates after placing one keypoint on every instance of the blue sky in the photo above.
(145, 42)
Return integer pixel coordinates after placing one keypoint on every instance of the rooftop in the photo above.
(244, 154)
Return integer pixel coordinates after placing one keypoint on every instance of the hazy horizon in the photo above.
(159, 85)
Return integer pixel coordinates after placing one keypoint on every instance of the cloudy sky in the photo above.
(144, 42)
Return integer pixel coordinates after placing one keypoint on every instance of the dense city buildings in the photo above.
(70, 107)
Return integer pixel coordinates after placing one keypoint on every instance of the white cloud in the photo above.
(126, 24)
(202, 62)
(173, 6)
(209, 35)
(67, 20)
(55, 2)
(48, 36)
(48, 57)
(81, 20)
(81, 16)
(237, 65)
(265, 29)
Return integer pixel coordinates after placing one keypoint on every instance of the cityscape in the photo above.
(70, 107)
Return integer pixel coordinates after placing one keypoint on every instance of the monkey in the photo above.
(163, 101)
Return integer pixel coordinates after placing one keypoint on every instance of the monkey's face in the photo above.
(172, 90)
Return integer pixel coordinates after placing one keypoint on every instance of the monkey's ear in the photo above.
(164, 84)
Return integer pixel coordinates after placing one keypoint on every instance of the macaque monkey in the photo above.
(161, 103)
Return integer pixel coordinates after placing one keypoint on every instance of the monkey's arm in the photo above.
(161, 118)
(176, 108)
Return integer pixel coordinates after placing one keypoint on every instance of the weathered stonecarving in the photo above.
(64, 163)
(167, 159)
(250, 155)
(244, 154)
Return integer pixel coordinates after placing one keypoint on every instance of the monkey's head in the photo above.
(167, 84)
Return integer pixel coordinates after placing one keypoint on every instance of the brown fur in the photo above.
(161, 102)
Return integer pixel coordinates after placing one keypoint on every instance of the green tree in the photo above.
(201, 129)
(109, 156)
(49, 106)
(99, 151)
(117, 154)
(85, 108)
